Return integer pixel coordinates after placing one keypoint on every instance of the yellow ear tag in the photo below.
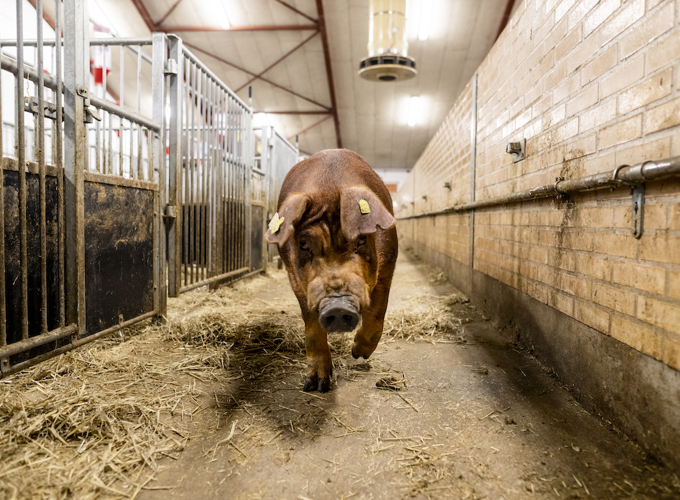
(275, 223)
(363, 206)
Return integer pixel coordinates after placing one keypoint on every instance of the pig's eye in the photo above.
(304, 246)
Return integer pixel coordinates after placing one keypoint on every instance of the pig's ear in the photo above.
(283, 223)
(361, 212)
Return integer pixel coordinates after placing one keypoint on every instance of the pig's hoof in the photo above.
(324, 384)
(314, 383)
(361, 351)
(311, 384)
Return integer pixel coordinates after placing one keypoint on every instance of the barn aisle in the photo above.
(447, 407)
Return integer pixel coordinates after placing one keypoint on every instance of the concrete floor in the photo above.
(479, 418)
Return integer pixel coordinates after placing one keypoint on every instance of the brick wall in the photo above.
(591, 85)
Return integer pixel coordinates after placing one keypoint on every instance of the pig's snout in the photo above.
(338, 314)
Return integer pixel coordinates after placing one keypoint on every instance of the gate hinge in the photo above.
(638, 193)
(517, 150)
(4, 365)
(91, 113)
(169, 212)
(171, 68)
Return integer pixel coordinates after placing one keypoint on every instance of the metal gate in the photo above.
(277, 156)
(82, 219)
(210, 150)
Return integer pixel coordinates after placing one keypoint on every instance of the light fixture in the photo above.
(413, 111)
(218, 13)
(425, 20)
(387, 59)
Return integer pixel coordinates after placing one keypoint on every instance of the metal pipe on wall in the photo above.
(623, 175)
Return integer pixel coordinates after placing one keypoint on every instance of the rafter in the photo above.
(146, 17)
(299, 132)
(297, 11)
(272, 27)
(276, 62)
(274, 84)
(329, 71)
(170, 11)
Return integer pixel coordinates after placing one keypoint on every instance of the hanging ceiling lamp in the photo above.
(387, 59)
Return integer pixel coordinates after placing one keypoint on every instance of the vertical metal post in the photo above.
(3, 292)
(247, 159)
(75, 149)
(473, 166)
(121, 166)
(59, 163)
(174, 184)
(157, 151)
(40, 156)
(19, 132)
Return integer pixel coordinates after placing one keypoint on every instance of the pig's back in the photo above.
(323, 175)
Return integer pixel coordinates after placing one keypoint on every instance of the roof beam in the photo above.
(309, 127)
(293, 112)
(170, 11)
(273, 27)
(329, 71)
(297, 11)
(146, 17)
(274, 84)
(276, 62)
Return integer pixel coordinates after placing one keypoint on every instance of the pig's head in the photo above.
(334, 260)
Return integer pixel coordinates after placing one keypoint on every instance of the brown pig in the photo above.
(335, 232)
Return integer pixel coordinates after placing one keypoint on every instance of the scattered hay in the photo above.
(75, 425)
(87, 424)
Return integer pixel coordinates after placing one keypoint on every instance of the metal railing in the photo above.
(210, 156)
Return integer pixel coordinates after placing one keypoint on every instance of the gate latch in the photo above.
(32, 105)
(171, 68)
(638, 193)
(91, 113)
(517, 150)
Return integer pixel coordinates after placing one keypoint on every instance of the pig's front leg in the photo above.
(373, 319)
(319, 364)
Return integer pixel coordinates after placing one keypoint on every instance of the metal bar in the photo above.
(229, 217)
(40, 132)
(329, 71)
(185, 170)
(19, 154)
(104, 169)
(120, 181)
(270, 82)
(59, 163)
(284, 56)
(124, 113)
(75, 149)
(204, 171)
(294, 112)
(121, 89)
(623, 175)
(473, 166)
(297, 11)
(173, 197)
(192, 176)
(37, 341)
(273, 27)
(215, 279)
(3, 290)
(93, 42)
(75, 343)
(245, 190)
(305, 129)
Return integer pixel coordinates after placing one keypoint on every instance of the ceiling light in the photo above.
(413, 111)
(218, 13)
(425, 20)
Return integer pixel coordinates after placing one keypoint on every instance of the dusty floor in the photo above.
(478, 419)
(208, 405)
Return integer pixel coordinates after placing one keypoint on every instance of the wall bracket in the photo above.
(638, 193)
